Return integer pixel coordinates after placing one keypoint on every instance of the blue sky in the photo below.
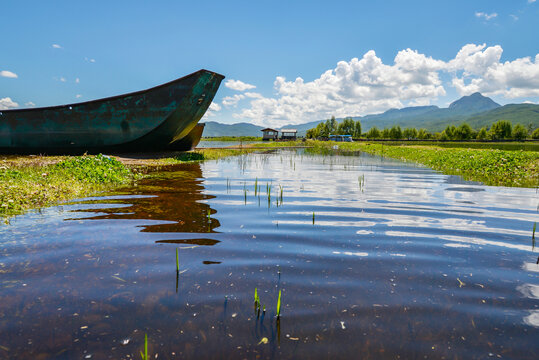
(406, 53)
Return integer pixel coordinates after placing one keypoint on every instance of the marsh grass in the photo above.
(279, 305)
(490, 166)
(25, 185)
(533, 235)
(144, 355)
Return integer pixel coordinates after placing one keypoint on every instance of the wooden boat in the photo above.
(147, 120)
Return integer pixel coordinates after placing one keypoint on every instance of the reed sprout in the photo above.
(533, 235)
(144, 355)
(279, 305)
(313, 217)
(177, 261)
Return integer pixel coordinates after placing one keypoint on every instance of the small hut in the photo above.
(289, 134)
(269, 134)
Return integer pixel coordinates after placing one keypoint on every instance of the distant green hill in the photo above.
(214, 129)
(431, 118)
(524, 114)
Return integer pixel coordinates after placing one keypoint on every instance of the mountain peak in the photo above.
(473, 103)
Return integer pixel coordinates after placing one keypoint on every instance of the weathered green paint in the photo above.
(147, 120)
(189, 141)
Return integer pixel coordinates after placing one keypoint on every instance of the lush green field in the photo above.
(490, 166)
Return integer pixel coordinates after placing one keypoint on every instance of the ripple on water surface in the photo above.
(374, 258)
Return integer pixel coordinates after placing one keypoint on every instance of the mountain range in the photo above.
(476, 110)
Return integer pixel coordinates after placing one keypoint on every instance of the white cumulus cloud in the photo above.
(238, 85)
(485, 16)
(6, 103)
(29, 104)
(477, 68)
(229, 101)
(8, 74)
(356, 87)
(367, 85)
(212, 109)
(56, 46)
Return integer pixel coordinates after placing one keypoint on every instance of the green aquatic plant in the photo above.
(177, 261)
(257, 299)
(361, 181)
(279, 305)
(144, 355)
(533, 235)
(313, 217)
(256, 186)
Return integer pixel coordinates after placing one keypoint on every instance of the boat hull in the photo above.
(148, 120)
(190, 141)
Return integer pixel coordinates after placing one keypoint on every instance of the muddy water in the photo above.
(374, 259)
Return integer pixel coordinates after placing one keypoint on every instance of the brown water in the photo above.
(398, 262)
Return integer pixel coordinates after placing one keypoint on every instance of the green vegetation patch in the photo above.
(490, 166)
(93, 169)
(25, 185)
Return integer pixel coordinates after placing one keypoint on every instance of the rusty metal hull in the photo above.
(147, 120)
(190, 141)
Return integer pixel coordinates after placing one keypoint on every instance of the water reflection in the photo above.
(175, 198)
(375, 258)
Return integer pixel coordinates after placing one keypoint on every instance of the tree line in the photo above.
(500, 130)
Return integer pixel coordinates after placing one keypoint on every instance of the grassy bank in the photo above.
(490, 166)
(32, 182)
(28, 182)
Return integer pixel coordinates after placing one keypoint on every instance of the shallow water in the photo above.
(398, 261)
(221, 144)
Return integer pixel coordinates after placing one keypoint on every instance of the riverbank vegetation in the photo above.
(28, 182)
(31, 182)
(500, 130)
(490, 166)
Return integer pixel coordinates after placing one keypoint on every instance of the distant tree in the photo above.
(519, 132)
(373, 133)
(346, 127)
(463, 132)
(535, 134)
(423, 134)
(450, 132)
(410, 133)
(482, 134)
(311, 134)
(331, 125)
(385, 134)
(357, 130)
(501, 129)
(395, 133)
(443, 136)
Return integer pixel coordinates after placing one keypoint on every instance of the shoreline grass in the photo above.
(30, 182)
(33, 182)
(515, 168)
